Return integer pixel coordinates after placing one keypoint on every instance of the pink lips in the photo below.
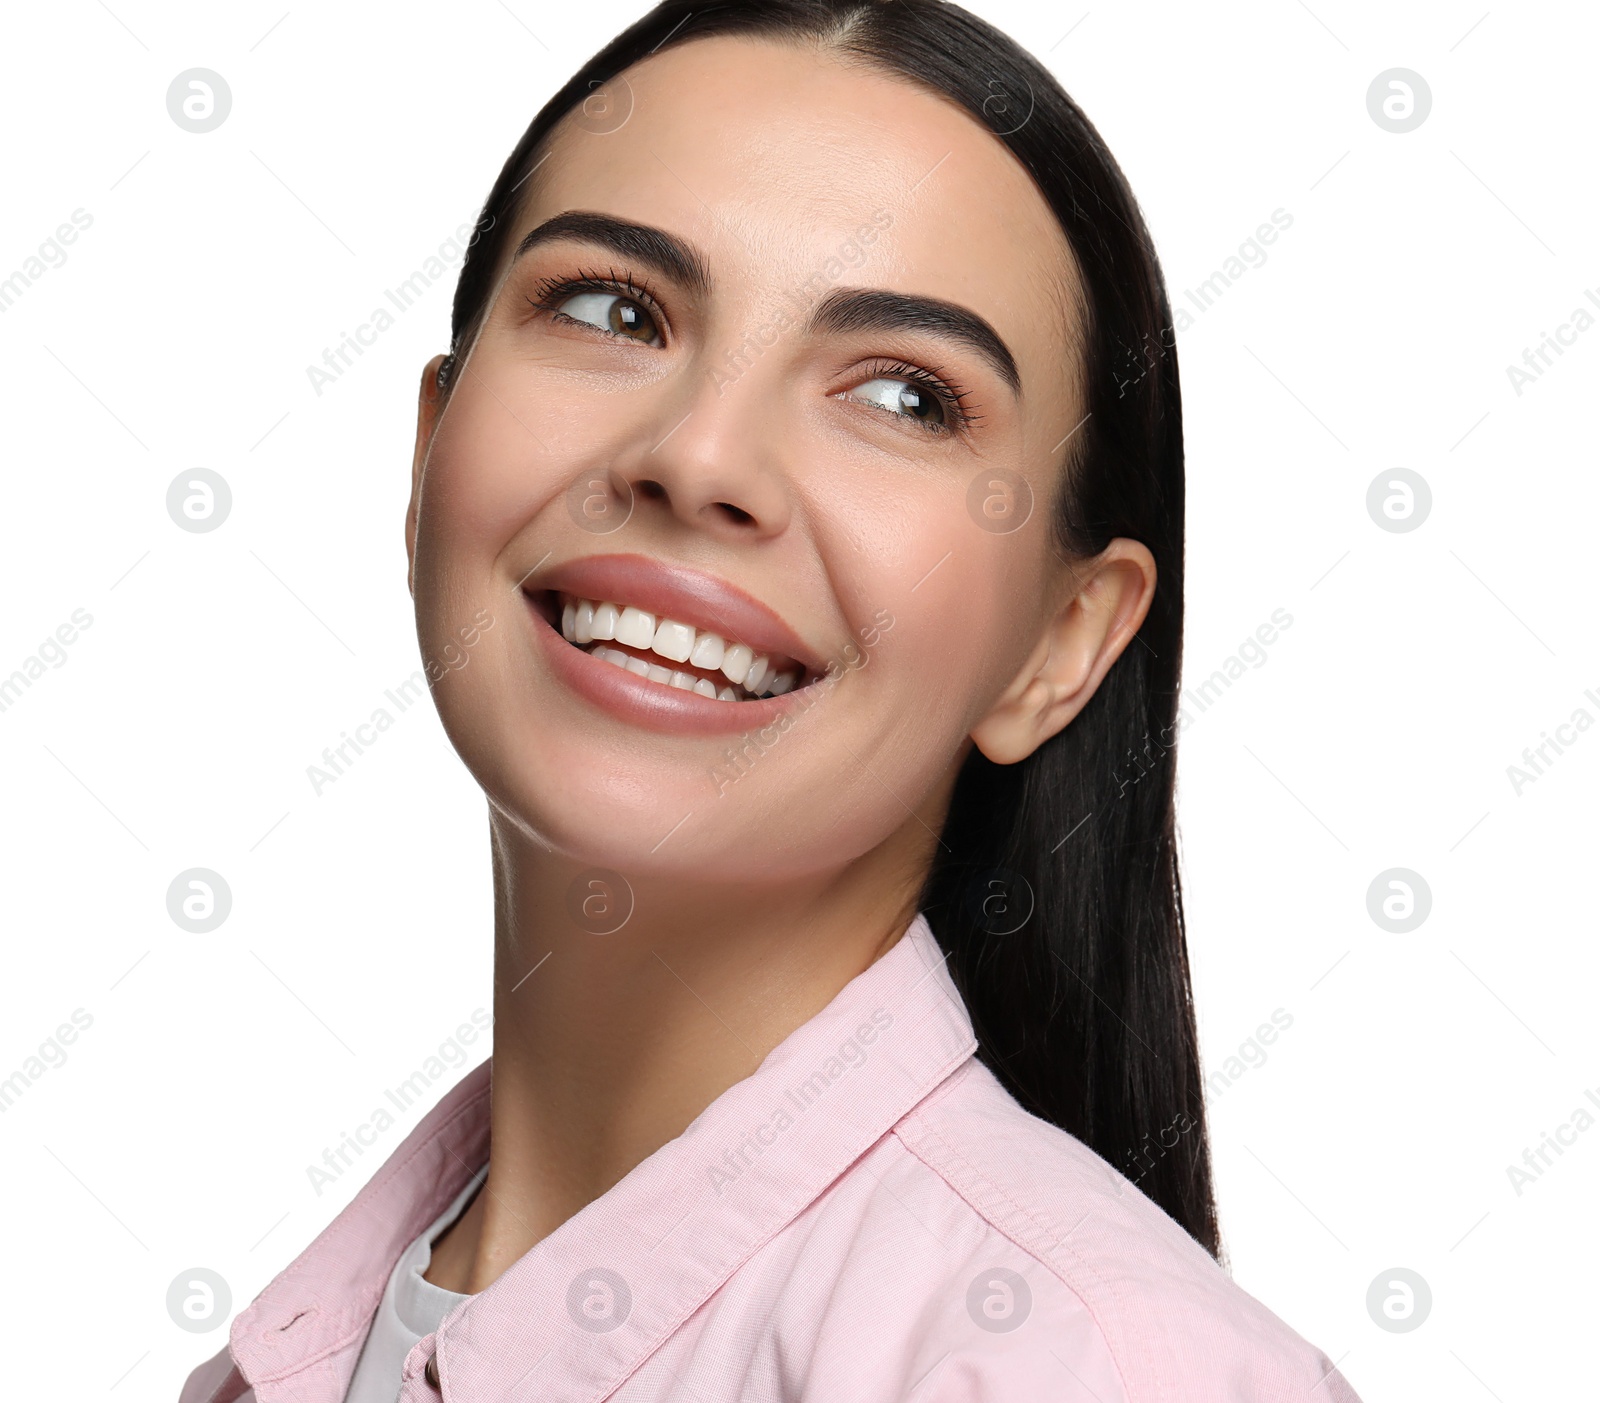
(677, 592)
(690, 596)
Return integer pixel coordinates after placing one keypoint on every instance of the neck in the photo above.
(606, 1046)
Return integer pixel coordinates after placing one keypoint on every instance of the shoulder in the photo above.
(1175, 1324)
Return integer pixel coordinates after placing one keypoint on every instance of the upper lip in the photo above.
(704, 601)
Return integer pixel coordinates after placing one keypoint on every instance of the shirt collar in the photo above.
(587, 1304)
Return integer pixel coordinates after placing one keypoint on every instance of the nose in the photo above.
(714, 459)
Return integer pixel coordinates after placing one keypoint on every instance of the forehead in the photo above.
(771, 156)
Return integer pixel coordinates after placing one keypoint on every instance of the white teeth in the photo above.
(636, 628)
(708, 650)
(583, 623)
(673, 641)
(736, 663)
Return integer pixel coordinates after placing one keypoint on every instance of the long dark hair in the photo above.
(1055, 888)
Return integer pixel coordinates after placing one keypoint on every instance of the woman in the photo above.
(798, 517)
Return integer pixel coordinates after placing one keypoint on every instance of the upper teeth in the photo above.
(584, 621)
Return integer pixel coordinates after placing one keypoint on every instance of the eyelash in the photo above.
(955, 398)
(551, 292)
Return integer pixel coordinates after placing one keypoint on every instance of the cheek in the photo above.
(514, 437)
(940, 661)
(940, 619)
(484, 481)
(482, 477)
(502, 456)
(987, 644)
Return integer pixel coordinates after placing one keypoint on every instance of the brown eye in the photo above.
(610, 311)
(903, 397)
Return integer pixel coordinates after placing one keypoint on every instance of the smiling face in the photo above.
(765, 352)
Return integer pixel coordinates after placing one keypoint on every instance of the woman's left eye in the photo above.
(906, 398)
(610, 311)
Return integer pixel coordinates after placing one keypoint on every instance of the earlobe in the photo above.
(435, 375)
(1105, 607)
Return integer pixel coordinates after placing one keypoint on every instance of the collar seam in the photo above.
(951, 1070)
(394, 1168)
(338, 1231)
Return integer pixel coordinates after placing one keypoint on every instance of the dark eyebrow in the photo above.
(664, 252)
(866, 309)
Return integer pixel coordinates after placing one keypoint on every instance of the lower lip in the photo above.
(645, 703)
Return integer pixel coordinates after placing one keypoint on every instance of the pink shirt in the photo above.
(868, 1216)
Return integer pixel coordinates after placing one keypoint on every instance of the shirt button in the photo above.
(430, 1370)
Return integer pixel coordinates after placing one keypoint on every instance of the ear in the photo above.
(429, 400)
(1107, 598)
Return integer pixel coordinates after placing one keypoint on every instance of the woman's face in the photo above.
(769, 387)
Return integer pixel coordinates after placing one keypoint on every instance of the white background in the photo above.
(1376, 734)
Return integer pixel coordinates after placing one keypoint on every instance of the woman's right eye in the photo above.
(614, 313)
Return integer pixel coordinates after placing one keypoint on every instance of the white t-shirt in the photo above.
(410, 1309)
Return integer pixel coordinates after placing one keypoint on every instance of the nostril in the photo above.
(737, 515)
(651, 489)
